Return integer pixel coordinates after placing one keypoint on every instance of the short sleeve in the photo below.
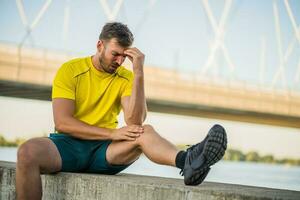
(127, 89)
(64, 83)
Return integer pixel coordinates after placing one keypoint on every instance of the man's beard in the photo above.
(109, 68)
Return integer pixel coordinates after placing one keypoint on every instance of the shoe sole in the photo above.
(213, 151)
(215, 146)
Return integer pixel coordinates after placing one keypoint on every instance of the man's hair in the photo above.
(119, 31)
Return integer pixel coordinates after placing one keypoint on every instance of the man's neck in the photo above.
(96, 63)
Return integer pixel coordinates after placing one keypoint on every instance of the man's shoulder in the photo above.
(125, 73)
(77, 66)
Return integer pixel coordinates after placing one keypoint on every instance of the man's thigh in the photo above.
(112, 157)
(84, 155)
(122, 152)
(43, 152)
(75, 153)
(105, 157)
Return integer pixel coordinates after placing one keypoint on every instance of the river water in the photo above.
(244, 173)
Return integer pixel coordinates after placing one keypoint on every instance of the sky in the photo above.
(172, 34)
(175, 35)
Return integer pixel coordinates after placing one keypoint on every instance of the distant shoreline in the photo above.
(7, 143)
(230, 155)
(252, 156)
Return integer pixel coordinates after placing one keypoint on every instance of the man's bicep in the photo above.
(62, 108)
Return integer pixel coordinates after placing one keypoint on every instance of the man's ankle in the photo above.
(180, 159)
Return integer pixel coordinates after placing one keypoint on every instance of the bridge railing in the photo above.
(237, 97)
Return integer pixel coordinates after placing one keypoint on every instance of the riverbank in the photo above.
(253, 156)
(7, 143)
(230, 155)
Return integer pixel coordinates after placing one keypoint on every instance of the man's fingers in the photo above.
(130, 138)
(134, 49)
(133, 135)
(132, 52)
(135, 129)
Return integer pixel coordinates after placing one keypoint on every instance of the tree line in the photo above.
(252, 156)
(230, 155)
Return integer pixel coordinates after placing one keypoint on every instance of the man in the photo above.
(88, 94)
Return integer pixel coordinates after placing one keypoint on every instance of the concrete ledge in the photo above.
(130, 187)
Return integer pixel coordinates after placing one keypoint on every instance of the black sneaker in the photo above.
(203, 155)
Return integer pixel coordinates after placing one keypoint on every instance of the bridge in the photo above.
(29, 72)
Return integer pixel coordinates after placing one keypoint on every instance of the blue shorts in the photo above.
(84, 155)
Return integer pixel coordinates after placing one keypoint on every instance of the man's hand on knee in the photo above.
(129, 133)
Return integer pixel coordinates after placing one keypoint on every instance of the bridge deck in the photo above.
(29, 73)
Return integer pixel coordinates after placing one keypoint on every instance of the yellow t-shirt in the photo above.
(97, 95)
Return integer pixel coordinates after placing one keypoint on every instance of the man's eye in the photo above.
(117, 54)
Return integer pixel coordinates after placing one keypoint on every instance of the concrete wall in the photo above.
(131, 187)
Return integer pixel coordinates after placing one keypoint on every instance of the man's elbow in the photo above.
(61, 125)
(135, 120)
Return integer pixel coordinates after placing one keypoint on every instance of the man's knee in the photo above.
(148, 128)
(144, 137)
(26, 154)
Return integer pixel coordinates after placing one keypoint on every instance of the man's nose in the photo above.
(120, 60)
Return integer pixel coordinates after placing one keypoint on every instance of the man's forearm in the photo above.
(82, 130)
(137, 103)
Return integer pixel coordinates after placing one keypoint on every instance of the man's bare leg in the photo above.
(155, 147)
(36, 156)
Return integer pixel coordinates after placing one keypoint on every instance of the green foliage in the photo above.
(252, 156)
(234, 155)
(268, 159)
(5, 143)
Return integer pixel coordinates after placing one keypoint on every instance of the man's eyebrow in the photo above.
(117, 53)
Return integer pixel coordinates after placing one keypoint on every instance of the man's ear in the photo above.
(100, 45)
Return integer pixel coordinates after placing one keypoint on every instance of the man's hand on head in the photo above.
(137, 58)
(129, 133)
